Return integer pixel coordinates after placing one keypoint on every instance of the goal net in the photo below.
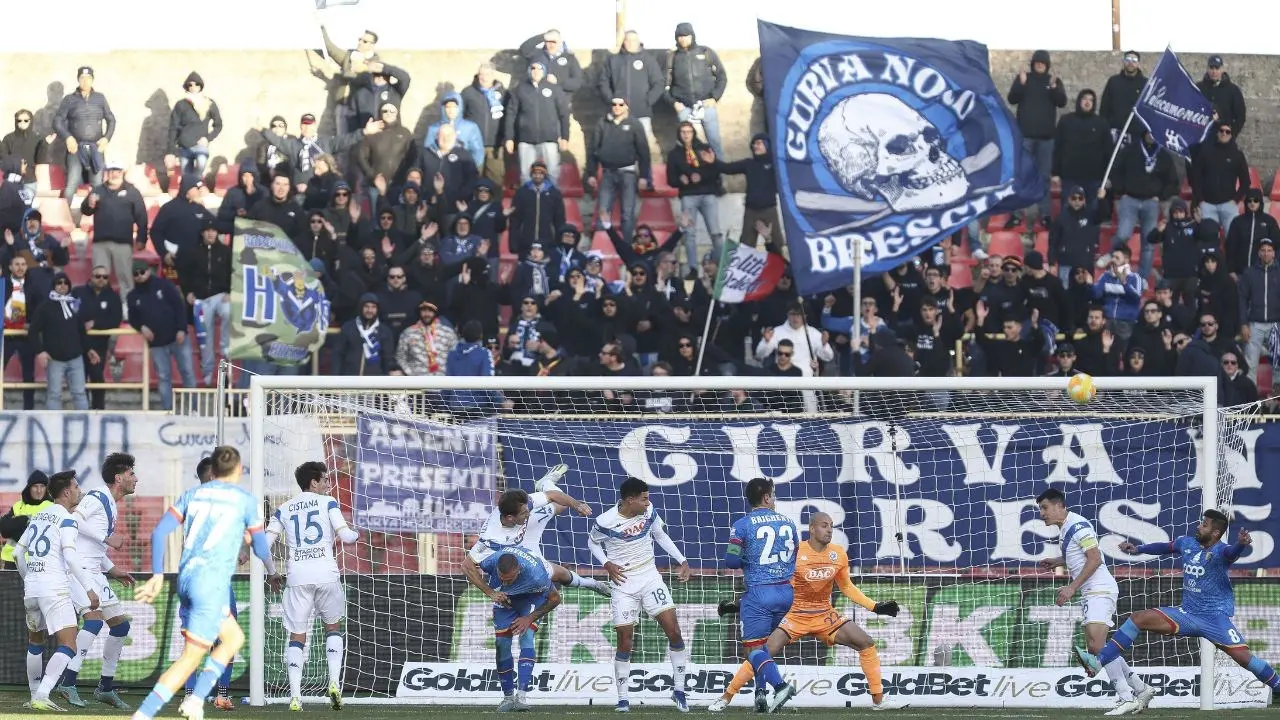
(931, 484)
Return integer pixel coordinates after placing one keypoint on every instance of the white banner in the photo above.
(167, 447)
(592, 683)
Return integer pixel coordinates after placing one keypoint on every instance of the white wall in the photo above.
(1190, 25)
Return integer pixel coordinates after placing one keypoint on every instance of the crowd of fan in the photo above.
(417, 283)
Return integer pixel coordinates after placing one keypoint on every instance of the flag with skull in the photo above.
(887, 144)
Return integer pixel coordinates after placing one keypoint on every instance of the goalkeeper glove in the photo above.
(727, 607)
(889, 608)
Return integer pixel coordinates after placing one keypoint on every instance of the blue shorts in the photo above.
(521, 605)
(1217, 629)
(200, 613)
(762, 609)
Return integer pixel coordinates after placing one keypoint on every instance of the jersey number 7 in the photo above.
(783, 537)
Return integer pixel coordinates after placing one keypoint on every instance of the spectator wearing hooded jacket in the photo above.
(1143, 177)
(194, 123)
(696, 81)
(48, 251)
(205, 271)
(1075, 234)
(385, 158)
(633, 75)
(1184, 240)
(324, 178)
(469, 135)
(693, 171)
(178, 224)
(1218, 293)
(1260, 304)
(565, 256)
(278, 208)
(461, 244)
(475, 297)
(1227, 99)
(549, 49)
(58, 340)
(470, 358)
(1038, 94)
(484, 102)
(1219, 177)
(1082, 147)
(621, 153)
(538, 211)
(28, 145)
(239, 199)
(761, 204)
(302, 151)
(372, 90)
(534, 276)
(1121, 94)
(156, 310)
(365, 345)
(488, 216)
(644, 248)
(1246, 231)
(537, 121)
(451, 169)
(397, 302)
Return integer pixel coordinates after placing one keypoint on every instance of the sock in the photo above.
(1131, 677)
(204, 684)
(1120, 641)
(869, 659)
(527, 657)
(333, 653)
(1263, 672)
(84, 641)
(679, 663)
(112, 646)
(506, 665)
(576, 580)
(1118, 679)
(155, 701)
(35, 665)
(622, 672)
(766, 669)
(224, 680)
(744, 675)
(53, 671)
(293, 660)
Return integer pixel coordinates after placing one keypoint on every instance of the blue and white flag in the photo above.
(1172, 108)
(892, 144)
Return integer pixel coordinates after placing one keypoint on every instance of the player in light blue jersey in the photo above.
(222, 701)
(214, 517)
(763, 544)
(1208, 602)
(520, 587)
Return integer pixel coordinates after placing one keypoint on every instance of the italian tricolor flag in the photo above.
(746, 273)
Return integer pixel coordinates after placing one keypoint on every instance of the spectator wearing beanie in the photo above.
(33, 500)
(385, 158)
(381, 84)
(1219, 177)
(549, 50)
(194, 123)
(1184, 240)
(1038, 94)
(537, 122)
(30, 147)
(239, 199)
(1076, 232)
(761, 203)
(48, 252)
(1082, 148)
(1246, 232)
(58, 339)
(538, 212)
(1046, 295)
(1218, 293)
(365, 346)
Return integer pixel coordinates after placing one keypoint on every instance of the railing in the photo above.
(143, 386)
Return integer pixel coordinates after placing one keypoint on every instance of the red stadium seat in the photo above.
(1005, 243)
(570, 183)
(995, 223)
(654, 212)
(56, 213)
(1275, 187)
(961, 274)
(573, 212)
(660, 187)
(228, 177)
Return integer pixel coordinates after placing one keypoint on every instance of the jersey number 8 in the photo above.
(785, 539)
(312, 523)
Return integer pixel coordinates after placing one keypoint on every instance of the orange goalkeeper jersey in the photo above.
(817, 573)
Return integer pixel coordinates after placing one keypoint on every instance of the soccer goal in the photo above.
(930, 482)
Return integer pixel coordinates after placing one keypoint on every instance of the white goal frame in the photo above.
(260, 384)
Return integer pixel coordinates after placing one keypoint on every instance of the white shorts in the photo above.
(50, 614)
(1099, 609)
(302, 603)
(645, 592)
(108, 603)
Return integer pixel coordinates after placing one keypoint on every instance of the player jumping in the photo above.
(1208, 601)
(215, 517)
(1099, 593)
(820, 566)
(517, 582)
(45, 554)
(622, 540)
(309, 523)
(763, 544)
(96, 517)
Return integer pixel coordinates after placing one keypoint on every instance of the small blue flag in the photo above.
(1172, 108)
(886, 144)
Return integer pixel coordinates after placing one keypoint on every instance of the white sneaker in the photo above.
(720, 705)
(192, 708)
(1125, 707)
(522, 702)
(1144, 699)
(978, 254)
(548, 481)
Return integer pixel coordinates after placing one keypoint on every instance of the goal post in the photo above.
(929, 469)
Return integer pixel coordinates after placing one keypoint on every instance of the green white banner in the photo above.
(279, 312)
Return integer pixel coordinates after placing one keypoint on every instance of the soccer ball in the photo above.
(1081, 389)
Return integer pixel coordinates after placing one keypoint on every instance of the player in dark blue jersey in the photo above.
(1208, 602)
(518, 583)
(763, 544)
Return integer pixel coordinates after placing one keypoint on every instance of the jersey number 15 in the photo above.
(312, 522)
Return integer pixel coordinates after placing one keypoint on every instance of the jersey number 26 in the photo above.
(784, 537)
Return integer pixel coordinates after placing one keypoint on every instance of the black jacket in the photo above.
(1074, 235)
(82, 118)
(1245, 233)
(617, 145)
(680, 165)
(286, 215)
(1091, 359)
(398, 309)
(634, 77)
(1119, 97)
(536, 114)
(1082, 145)
(1150, 339)
(156, 304)
(120, 215)
(291, 148)
(179, 221)
(105, 310)
(1219, 173)
(538, 216)
(762, 181)
(1038, 99)
(1198, 359)
(1220, 295)
(1130, 176)
(459, 171)
(1184, 243)
(1227, 100)
(29, 146)
(693, 73)
(187, 126)
(1047, 295)
(204, 269)
(1014, 358)
(477, 108)
(390, 153)
(51, 331)
(367, 99)
(239, 199)
(348, 351)
(1260, 294)
(564, 66)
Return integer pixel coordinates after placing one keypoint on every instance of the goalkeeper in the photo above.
(820, 566)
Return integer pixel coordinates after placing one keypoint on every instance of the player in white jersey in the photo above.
(309, 523)
(520, 519)
(621, 540)
(1098, 591)
(49, 564)
(97, 516)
